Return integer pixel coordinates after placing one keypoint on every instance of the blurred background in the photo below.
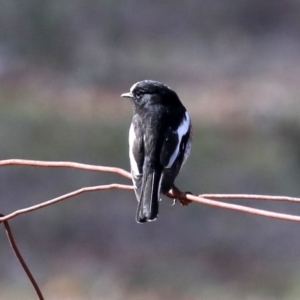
(235, 66)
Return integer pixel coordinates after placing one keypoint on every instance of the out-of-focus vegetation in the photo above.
(63, 65)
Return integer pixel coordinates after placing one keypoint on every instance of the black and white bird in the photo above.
(159, 143)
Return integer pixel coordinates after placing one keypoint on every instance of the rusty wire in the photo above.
(17, 252)
(208, 199)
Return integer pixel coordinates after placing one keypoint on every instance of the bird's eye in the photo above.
(138, 94)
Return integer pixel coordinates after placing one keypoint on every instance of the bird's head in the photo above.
(152, 92)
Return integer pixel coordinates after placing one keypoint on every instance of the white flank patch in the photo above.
(133, 163)
(187, 152)
(181, 131)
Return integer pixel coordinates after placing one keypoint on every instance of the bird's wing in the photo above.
(175, 151)
(136, 155)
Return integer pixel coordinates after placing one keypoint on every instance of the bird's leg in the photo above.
(176, 191)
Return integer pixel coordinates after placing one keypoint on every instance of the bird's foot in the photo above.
(178, 193)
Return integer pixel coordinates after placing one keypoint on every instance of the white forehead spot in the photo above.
(150, 82)
(134, 86)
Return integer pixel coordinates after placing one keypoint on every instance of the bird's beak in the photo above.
(127, 95)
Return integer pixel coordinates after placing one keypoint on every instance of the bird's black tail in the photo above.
(148, 205)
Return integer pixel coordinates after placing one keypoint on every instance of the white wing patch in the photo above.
(133, 163)
(181, 131)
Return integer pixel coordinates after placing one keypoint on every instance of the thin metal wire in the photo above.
(21, 260)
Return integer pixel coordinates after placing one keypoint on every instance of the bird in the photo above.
(159, 143)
